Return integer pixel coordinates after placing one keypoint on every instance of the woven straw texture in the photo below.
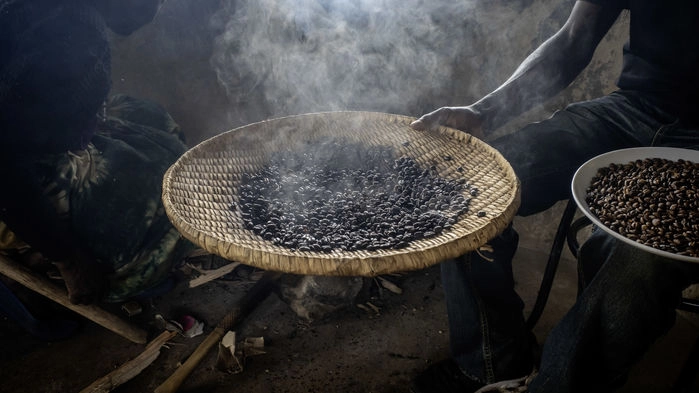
(200, 188)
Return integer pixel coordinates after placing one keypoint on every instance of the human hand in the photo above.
(463, 118)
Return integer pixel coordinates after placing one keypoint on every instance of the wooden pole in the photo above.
(43, 286)
(255, 295)
(132, 368)
(207, 276)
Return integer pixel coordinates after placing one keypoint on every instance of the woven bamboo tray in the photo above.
(200, 188)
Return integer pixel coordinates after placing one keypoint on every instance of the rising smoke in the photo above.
(282, 57)
(319, 55)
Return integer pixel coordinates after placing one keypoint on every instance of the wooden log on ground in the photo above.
(211, 275)
(131, 368)
(254, 296)
(43, 286)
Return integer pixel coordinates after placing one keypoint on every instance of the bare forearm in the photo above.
(551, 68)
(542, 75)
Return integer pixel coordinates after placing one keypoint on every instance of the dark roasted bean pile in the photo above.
(652, 201)
(349, 197)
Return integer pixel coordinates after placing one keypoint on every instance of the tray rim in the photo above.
(318, 263)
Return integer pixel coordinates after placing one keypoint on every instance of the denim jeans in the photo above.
(629, 302)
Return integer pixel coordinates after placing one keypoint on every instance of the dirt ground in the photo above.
(377, 345)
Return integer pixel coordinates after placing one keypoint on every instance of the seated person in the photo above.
(82, 174)
(630, 296)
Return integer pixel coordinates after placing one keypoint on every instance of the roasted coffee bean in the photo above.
(651, 201)
(342, 195)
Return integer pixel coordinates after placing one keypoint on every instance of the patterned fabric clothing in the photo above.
(110, 193)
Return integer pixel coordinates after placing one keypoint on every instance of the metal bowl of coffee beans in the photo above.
(340, 193)
(647, 197)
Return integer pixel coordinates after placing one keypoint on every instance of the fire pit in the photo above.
(203, 190)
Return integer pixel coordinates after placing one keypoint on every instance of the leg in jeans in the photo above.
(629, 301)
(487, 334)
(485, 313)
(628, 304)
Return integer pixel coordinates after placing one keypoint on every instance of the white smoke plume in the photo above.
(318, 55)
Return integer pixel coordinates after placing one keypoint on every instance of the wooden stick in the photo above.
(132, 368)
(43, 286)
(255, 295)
(210, 275)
